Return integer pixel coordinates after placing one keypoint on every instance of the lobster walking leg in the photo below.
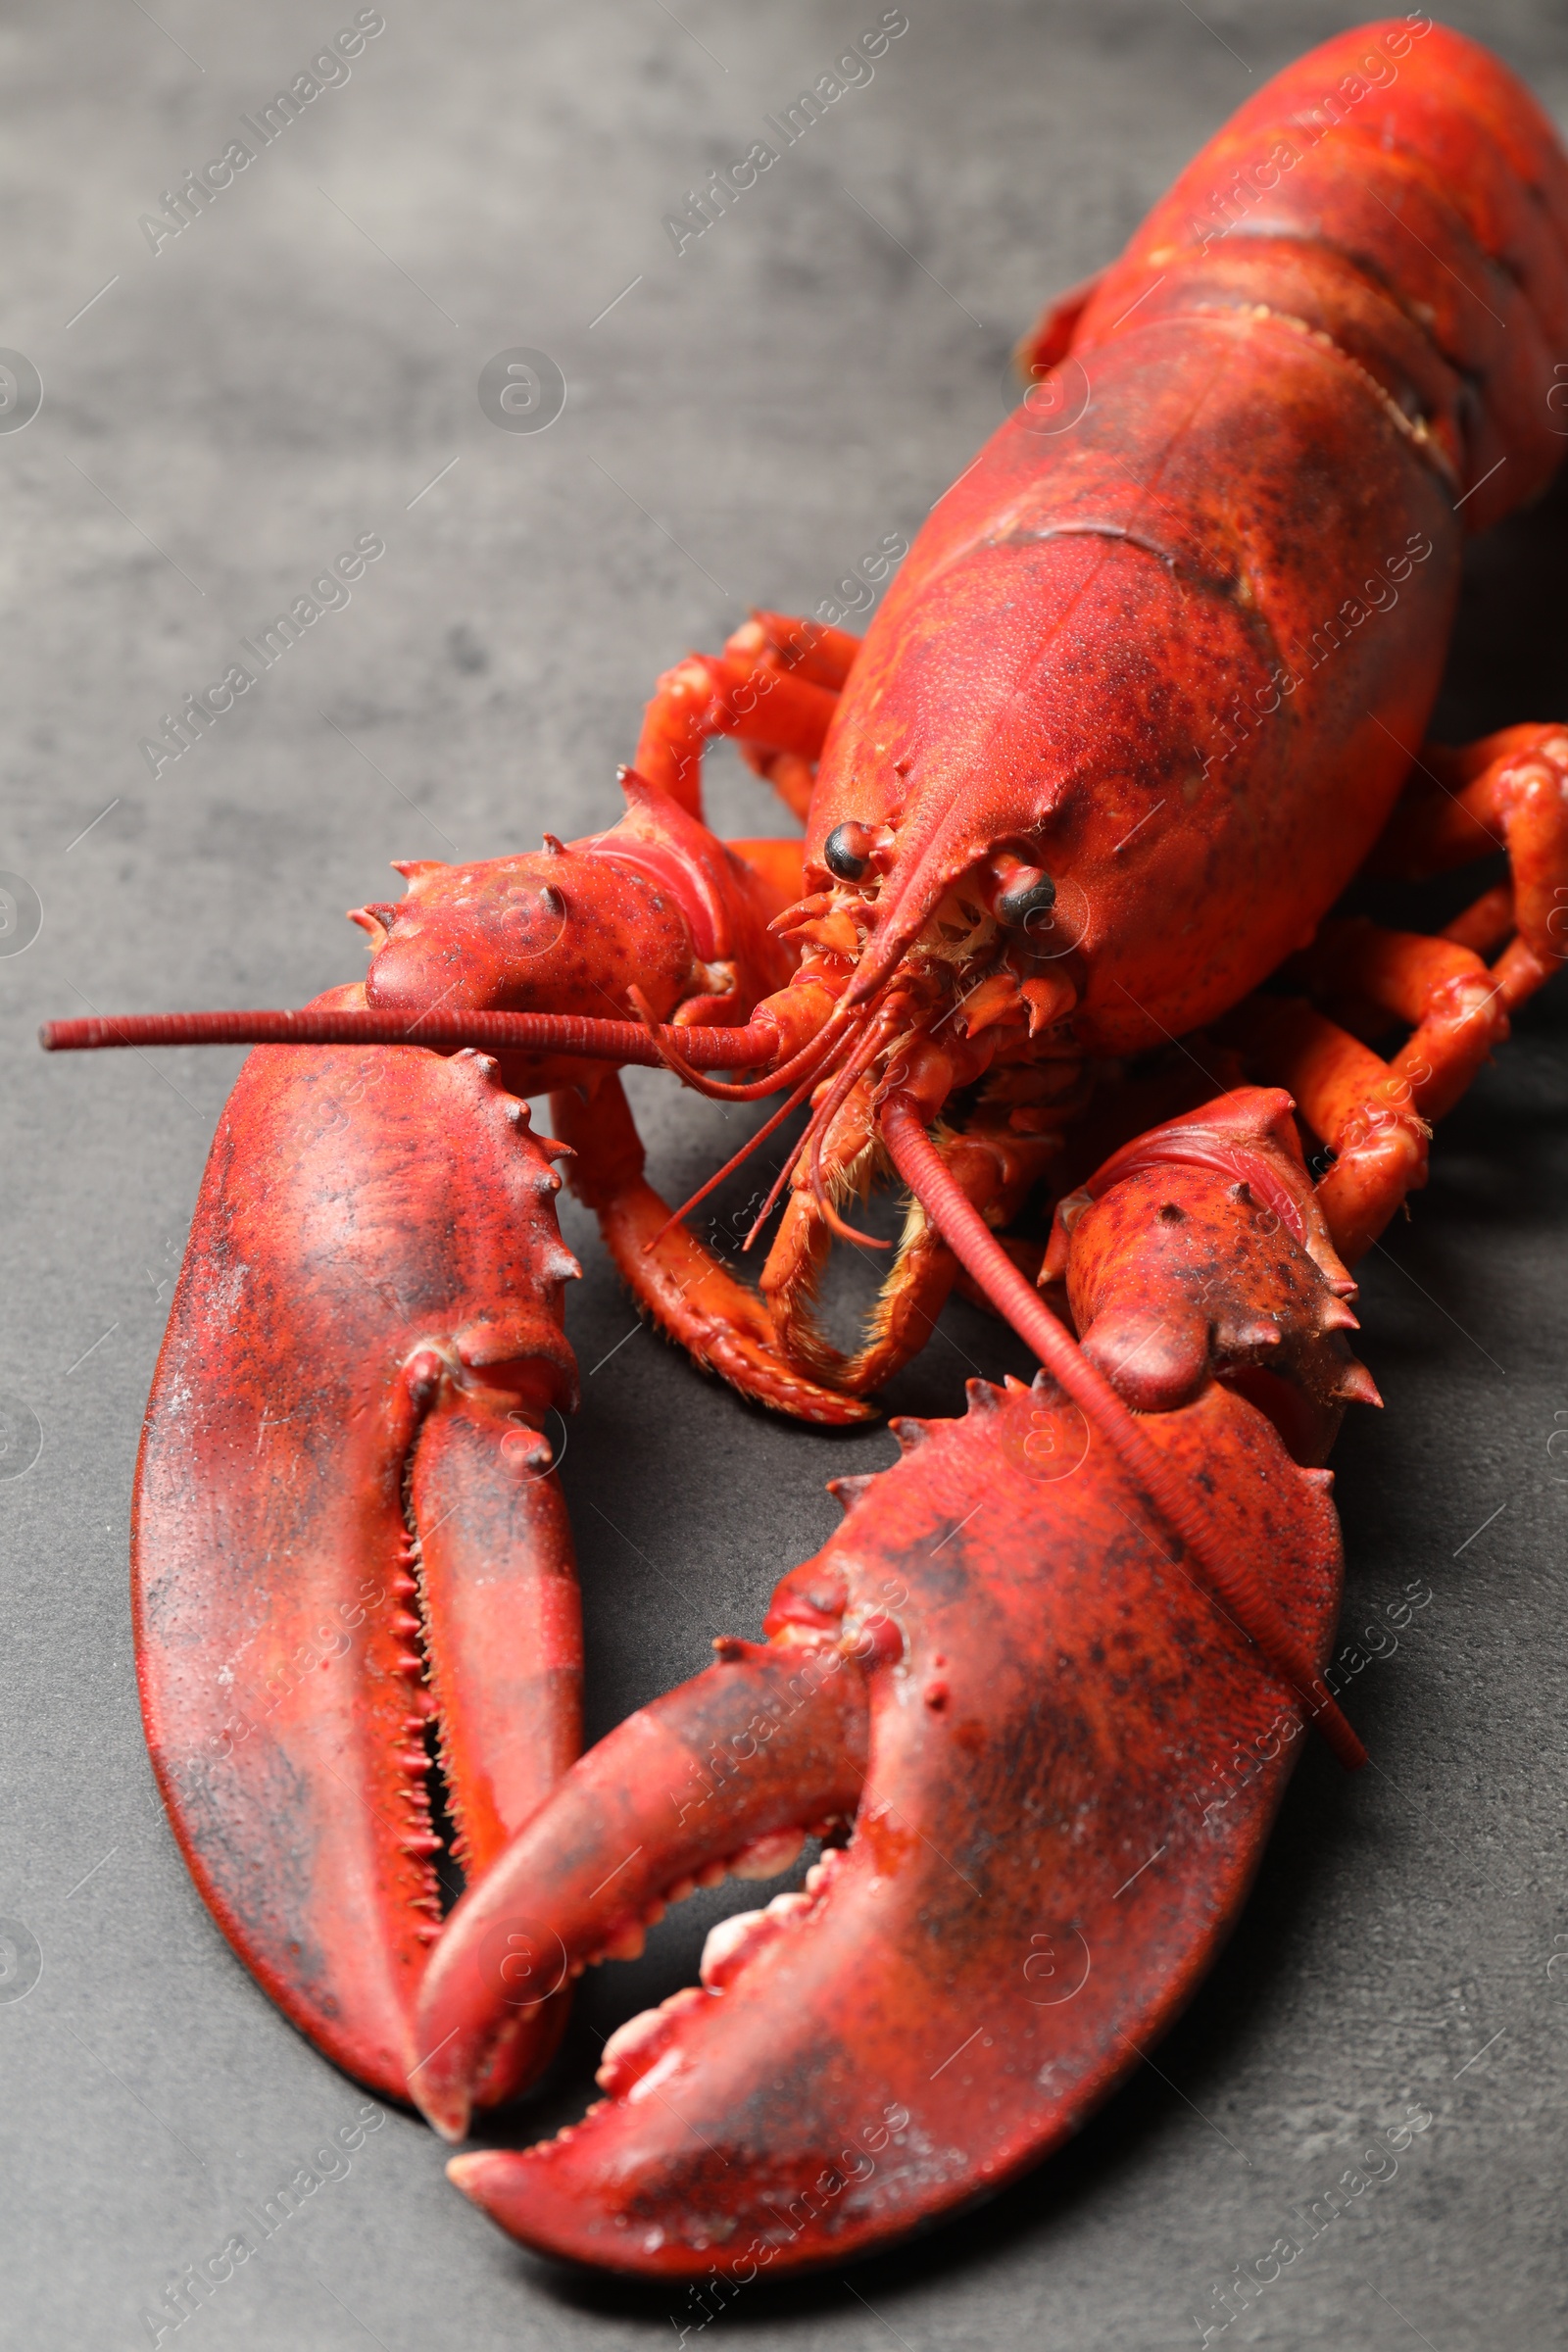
(352, 1572)
(812, 649)
(823, 657)
(1375, 1117)
(995, 1171)
(1503, 791)
(775, 687)
(672, 1275)
(1453, 1005)
(1508, 790)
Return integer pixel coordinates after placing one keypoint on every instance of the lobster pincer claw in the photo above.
(357, 1629)
(788, 1731)
(1043, 1859)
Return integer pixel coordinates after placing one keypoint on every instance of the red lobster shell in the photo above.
(1127, 681)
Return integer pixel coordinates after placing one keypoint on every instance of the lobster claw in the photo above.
(1043, 1861)
(355, 1599)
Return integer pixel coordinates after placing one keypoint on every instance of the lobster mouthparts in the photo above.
(357, 1629)
(1031, 1698)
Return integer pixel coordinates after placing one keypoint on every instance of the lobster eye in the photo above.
(846, 851)
(1029, 894)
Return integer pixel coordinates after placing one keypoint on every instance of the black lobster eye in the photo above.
(1029, 896)
(846, 850)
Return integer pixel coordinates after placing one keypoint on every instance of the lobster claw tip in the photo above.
(448, 2114)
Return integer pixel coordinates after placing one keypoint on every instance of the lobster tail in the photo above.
(1399, 195)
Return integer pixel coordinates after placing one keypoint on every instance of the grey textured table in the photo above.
(298, 367)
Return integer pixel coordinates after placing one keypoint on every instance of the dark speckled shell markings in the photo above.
(970, 1962)
(365, 1342)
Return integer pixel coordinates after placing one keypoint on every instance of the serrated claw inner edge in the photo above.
(353, 1573)
(1032, 1717)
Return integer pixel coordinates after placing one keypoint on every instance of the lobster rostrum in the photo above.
(1149, 692)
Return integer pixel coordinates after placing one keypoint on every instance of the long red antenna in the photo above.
(977, 1249)
(563, 1033)
(737, 1160)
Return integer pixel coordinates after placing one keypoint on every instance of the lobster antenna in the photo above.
(872, 1040)
(813, 1077)
(861, 1051)
(1230, 1581)
(815, 1137)
(814, 1055)
(649, 1045)
(736, 1160)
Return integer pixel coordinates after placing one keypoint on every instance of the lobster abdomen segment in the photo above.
(1417, 161)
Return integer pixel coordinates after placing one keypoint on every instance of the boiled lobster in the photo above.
(1148, 693)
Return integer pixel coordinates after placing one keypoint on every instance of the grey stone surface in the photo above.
(293, 371)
